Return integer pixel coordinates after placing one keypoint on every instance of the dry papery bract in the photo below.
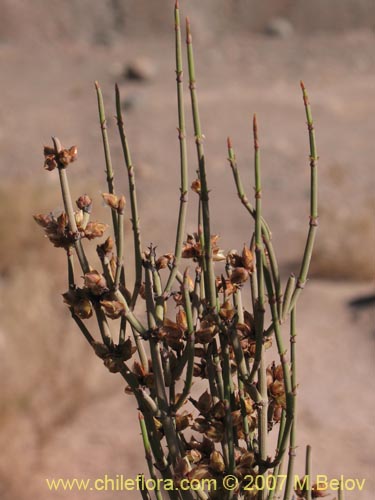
(197, 323)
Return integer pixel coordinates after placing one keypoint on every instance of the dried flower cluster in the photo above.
(193, 328)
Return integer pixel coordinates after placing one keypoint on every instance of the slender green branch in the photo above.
(148, 454)
(120, 247)
(259, 361)
(308, 473)
(277, 471)
(189, 349)
(133, 201)
(313, 224)
(290, 286)
(68, 205)
(183, 154)
(292, 441)
(107, 157)
(204, 197)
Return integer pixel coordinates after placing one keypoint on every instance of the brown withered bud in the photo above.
(227, 311)
(206, 333)
(101, 350)
(200, 425)
(84, 203)
(125, 350)
(277, 388)
(215, 431)
(277, 412)
(114, 365)
(218, 411)
(71, 297)
(60, 159)
(50, 163)
(218, 255)
(204, 403)
(83, 309)
(236, 417)
(79, 303)
(225, 286)
(196, 186)
(206, 446)
(234, 259)
(163, 261)
(181, 320)
(247, 459)
(113, 265)
(194, 456)
(106, 247)
(183, 421)
(239, 275)
(200, 472)
(247, 259)
(217, 462)
(43, 220)
(181, 471)
(249, 406)
(121, 205)
(112, 308)
(94, 230)
(111, 200)
(171, 328)
(278, 373)
(95, 282)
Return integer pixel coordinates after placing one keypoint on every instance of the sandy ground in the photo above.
(51, 93)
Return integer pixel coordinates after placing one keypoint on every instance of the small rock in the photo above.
(279, 27)
(140, 69)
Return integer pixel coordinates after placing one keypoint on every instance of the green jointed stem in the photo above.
(204, 198)
(69, 254)
(183, 154)
(308, 472)
(277, 471)
(290, 286)
(158, 290)
(148, 453)
(107, 156)
(240, 189)
(266, 232)
(133, 201)
(189, 349)
(166, 420)
(120, 247)
(259, 361)
(292, 441)
(313, 224)
(68, 206)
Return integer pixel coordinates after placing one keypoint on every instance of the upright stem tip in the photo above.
(255, 132)
(188, 31)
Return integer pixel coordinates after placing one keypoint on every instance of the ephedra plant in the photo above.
(211, 324)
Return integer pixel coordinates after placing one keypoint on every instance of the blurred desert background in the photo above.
(62, 414)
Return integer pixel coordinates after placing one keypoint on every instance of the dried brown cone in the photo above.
(61, 159)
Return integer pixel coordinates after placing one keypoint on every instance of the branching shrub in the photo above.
(228, 313)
